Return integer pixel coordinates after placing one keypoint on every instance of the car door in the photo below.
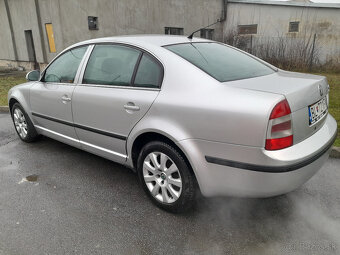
(114, 95)
(51, 97)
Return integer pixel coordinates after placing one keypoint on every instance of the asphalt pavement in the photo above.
(56, 199)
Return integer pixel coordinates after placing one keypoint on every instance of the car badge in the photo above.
(320, 90)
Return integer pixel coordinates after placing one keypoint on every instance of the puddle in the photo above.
(30, 178)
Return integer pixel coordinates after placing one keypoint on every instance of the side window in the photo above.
(149, 73)
(111, 65)
(64, 68)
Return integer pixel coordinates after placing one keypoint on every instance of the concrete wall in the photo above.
(115, 17)
(6, 49)
(120, 17)
(24, 17)
(273, 21)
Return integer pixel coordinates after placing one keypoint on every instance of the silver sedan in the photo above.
(185, 114)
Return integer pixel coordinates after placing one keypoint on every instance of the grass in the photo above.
(6, 82)
(334, 99)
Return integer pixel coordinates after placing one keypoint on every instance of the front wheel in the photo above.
(166, 177)
(23, 125)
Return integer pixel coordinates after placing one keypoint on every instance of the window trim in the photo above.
(131, 86)
(135, 70)
(61, 54)
(226, 45)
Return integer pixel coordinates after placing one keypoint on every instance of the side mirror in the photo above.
(33, 75)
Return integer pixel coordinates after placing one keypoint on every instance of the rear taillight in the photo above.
(327, 97)
(280, 133)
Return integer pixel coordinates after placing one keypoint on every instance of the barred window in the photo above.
(247, 29)
(174, 31)
(207, 33)
(294, 26)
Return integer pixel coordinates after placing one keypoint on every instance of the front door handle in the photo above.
(129, 107)
(65, 99)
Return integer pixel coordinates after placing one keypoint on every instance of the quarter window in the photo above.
(149, 73)
(111, 65)
(64, 68)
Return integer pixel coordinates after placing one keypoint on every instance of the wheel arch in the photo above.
(11, 102)
(142, 139)
(22, 102)
(20, 95)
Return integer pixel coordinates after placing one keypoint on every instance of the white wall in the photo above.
(273, 21)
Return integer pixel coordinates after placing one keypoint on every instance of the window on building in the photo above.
(247, 29)
(174, 31)
(111, 65)
(64, 68)
(92, 22)
(207, 33)
(294, 26)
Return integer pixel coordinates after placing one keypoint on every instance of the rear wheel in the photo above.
(23, 125)
(166, 177)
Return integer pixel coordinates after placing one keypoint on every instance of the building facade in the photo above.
(33, 32)
(37, 30)
(295, 24)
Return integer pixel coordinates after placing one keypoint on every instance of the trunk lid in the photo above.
(300, 90)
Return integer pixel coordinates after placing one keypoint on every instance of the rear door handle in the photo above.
(65, 99)
(131, 107)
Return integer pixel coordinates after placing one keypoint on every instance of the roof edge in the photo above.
(288, 3)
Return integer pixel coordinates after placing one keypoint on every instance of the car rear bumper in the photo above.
(235, 170)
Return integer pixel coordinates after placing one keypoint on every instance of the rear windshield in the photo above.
(221, 62)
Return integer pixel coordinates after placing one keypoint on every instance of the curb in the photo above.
(4, 109)
(335, 152)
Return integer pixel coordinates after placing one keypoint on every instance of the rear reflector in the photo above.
(282, 126)
(279, 133)
(279, 143)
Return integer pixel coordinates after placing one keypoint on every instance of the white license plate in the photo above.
(317, 111)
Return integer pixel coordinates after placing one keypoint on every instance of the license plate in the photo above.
(317, 111)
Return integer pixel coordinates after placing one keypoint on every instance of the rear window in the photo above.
(221, 62)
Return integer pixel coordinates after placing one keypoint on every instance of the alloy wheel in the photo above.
(20, 123)
(162, 177)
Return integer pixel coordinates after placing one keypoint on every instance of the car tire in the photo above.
(160, 166)
(22, 124)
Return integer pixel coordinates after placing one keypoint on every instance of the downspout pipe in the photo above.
(224, 10)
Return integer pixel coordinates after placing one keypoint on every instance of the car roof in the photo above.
(144, 40)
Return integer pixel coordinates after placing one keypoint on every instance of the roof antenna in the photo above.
(192, 34)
